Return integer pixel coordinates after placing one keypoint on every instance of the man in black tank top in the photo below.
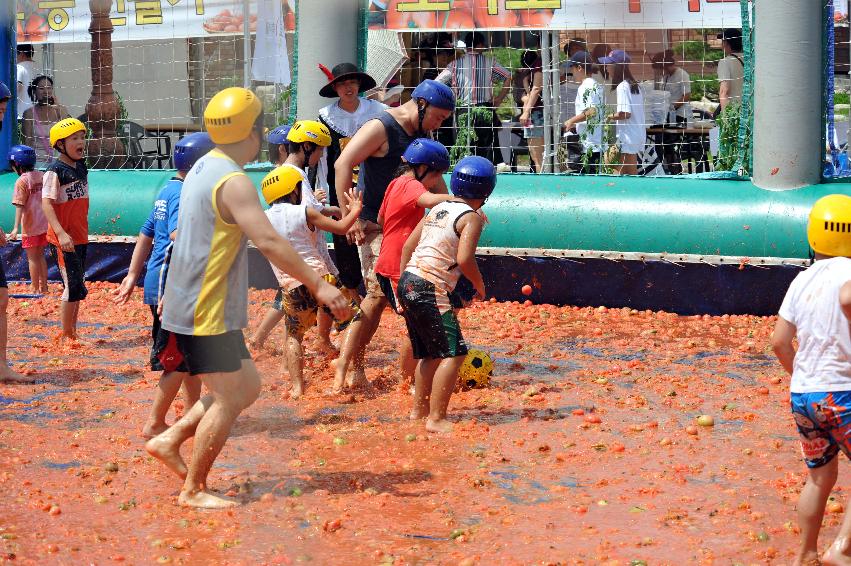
(377, 148)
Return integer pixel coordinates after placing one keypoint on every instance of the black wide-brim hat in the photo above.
(344, 72)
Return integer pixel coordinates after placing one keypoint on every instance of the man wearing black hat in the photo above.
(343, 118)
(731, 69)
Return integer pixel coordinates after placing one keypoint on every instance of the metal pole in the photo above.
(556, 99)
(246, 43)
(787, 137)
(546, 166)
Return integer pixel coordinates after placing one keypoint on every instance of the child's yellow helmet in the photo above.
(310, 131)
(64, 129)
(231, 114)
(829, 227)
(280, 182)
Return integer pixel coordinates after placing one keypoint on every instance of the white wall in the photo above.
(151, 77)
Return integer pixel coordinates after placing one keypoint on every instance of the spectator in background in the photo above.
(472, 78)
(26, 72)
(609, 96)
(590, 111)
(731, 69)
(675, 80)
(37, 121)
(571, 48)
(631, 130)
(532, 117)
(436, 55)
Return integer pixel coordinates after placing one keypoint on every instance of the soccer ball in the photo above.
(476, 371)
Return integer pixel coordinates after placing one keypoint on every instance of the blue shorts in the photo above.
(824, 425)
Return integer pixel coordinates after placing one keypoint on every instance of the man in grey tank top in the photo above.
(206, 294)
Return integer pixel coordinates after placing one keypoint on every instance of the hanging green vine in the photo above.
(465, 136)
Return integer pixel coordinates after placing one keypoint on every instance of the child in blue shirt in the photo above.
(154, 242)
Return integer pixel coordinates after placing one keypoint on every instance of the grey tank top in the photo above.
(207, 288)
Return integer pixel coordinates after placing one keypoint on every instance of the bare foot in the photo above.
(417, 414)
(167, 453)
(325, 346)
(296, 391)
(152, 429)
(205, 500)
(442, 426)
(8, 375)
(835, 555)
(357, 380)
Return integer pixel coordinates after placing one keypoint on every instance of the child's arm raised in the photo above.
(410, 245)
(470, 228)
(781, 342)
(354, 202)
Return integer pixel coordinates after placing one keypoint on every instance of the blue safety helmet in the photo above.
(190, 149)
(435, 93)
(22, 156)
(278, 136)
(5, 93)
(423, 151)
(473, 177)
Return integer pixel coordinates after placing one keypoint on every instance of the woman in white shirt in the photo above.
(631, 127)
(590, 111)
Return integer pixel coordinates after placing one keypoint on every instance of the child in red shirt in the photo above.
(407, 197)
(65, 201)
(28, 214)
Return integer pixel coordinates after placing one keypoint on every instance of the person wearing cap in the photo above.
(472, 77)
(7, 374)
(590, 110)
(573, 46)
(343, 118)
(631, 127)
(205, 304)
(378, 148)
(731, 69)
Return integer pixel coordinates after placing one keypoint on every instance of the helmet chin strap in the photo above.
(421, 110)
(419, 177)
(62, 151)
(308, 151)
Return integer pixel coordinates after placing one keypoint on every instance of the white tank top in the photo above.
(436, 256)
(309, 199)
(290, 221)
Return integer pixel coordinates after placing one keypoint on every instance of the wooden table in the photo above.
(179, 128)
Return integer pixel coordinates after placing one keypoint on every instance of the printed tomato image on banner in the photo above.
(397, 18)
(539, 18)
(31, 25)
(493, 16)
(460, 17)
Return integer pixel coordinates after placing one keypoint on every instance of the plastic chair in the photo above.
(149, 148)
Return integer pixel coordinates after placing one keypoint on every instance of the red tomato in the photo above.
(461, 17)
(526, 290)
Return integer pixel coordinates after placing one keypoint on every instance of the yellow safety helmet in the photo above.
(65, 128)
(829, 227)
(231, 114)
(310, 131)
(280, 182)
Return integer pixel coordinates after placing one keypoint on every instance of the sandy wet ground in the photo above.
(584, 450)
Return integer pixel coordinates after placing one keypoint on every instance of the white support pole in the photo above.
(546, 95)
(328, 34)
(246, 43)
(788, 121)
(555, 102)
